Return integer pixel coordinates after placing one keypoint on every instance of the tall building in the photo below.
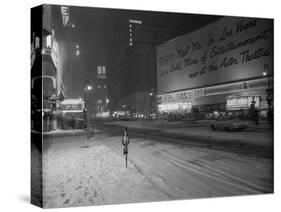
(137, 67)
(102, 100)
(45, 84)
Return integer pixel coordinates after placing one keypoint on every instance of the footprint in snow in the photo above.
(66, 201)
(78, 188)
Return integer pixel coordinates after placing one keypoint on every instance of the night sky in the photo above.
(102, 36)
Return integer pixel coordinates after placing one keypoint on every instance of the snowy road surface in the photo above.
(77, 171)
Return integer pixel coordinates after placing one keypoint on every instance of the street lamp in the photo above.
(86, 89)
(269, 92)
(107, 104)
(151, 102)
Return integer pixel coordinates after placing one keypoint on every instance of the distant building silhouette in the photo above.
(137, 67)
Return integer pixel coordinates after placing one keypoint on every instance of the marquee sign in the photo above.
(242, 101)
(215, 90)
(231, 49)
(72, 102)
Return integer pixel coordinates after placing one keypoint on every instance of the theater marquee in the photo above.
(188, 95)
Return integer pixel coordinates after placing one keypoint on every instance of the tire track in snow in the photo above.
(207, 171)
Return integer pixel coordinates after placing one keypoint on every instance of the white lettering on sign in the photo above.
(64, 10)
(65, 14)
(135, 21)
(174, 106)
(215, 90)
(242, 101)
(230, 49)
(72, 101)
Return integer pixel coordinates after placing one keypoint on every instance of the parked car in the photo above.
(229, 124)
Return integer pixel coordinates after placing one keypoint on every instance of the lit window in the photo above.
(49, 41)
(37, 42)
(99, 70)
(104, 86)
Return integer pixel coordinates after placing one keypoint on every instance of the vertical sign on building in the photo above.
(65, 15)
(131, 22)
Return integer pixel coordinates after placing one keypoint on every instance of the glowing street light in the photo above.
(87, 87)
(151, 102)
(77, 53)
(269, 91)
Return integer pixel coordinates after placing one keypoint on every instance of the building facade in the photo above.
(45, 83)
(224, 68)
(102, 101)
(137, 67)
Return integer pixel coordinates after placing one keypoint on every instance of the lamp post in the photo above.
(107, 104)
(87, 88)
(151, 103)
(269, 93)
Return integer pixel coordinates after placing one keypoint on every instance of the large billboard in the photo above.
(228, 50)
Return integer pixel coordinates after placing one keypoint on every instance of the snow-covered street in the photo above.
(81, 172)
(77, 171)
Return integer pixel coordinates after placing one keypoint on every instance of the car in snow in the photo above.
(230, 124)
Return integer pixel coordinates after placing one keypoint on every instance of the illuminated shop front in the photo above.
(180, 106)
(231, 98)
(72, 114)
